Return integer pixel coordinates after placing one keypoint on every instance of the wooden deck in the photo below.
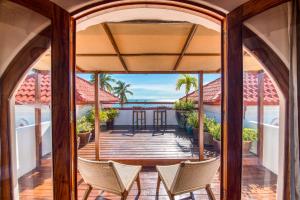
(143, 148)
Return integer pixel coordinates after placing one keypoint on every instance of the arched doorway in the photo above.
(69, 77)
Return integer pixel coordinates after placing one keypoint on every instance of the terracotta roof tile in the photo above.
(212, 91)
(84, 91)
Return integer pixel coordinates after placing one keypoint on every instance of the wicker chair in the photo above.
(188, 177)
(109, 176)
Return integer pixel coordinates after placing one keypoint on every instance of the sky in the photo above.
(157, 87)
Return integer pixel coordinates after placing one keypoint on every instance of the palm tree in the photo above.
(189, 82)
(104, 82)
(121, 90)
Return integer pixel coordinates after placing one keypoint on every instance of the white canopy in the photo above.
(149, 46)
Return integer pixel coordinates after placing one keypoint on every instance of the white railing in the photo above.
(270, 146)
(26, 146)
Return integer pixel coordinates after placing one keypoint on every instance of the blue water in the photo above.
(132, 103)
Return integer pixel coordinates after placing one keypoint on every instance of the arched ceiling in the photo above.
(18, 29)
(222, 5)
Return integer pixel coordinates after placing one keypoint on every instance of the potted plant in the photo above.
(249, 136)
(111, 115)
(83, 129)
(208, 138)
(193, 122)
(183, 109)
(214, 128)
(91, 118)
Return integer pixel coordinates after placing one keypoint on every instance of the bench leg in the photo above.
(209, 192)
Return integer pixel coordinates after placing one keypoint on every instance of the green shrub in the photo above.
(215, 131)
(111, 113)
(192, 120)
(184, 105)
(91, 116)
(209, 122)
(249, 134)
(103, 116)
(213, 127)
(83, 125)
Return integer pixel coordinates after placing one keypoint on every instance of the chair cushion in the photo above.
(127, 173)
(168, 174)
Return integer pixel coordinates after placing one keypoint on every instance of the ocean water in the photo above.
(133, 103)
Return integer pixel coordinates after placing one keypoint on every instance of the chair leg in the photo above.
(158, 185)
(192, 195)
(80, 181)
(124, 195)
(209, 192)
(171, 196)
(87, 193)
(138, 182)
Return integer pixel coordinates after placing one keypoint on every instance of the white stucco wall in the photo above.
(272, 26)
(125, 117)
(18, 25)
(24, 114)
(26, 146)
(81, 110)
(25, 136)
(271, 114)
(271, 145)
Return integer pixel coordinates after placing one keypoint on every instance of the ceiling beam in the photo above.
(79, 69)
(186, 45)
(149, 72)
(114, 44)
(144, 54)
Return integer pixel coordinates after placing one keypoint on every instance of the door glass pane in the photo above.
(264, 109)
(30, 104)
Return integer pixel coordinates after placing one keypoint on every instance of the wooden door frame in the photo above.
(13, 75)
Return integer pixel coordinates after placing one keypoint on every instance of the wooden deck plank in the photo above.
(143, 147)
(258, 182)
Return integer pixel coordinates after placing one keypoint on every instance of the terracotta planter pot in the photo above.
(110, 124)
(181, 118)
(217, 145)
(78, 142)
(84, 138)
(195, 134)
(208, 138)
(246, 147)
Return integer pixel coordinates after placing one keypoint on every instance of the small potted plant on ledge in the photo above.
(83, 128)
(183, 109)
(111, 115)
(249, 136)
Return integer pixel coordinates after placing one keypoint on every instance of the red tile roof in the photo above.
(212, 91)
(84, 91)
